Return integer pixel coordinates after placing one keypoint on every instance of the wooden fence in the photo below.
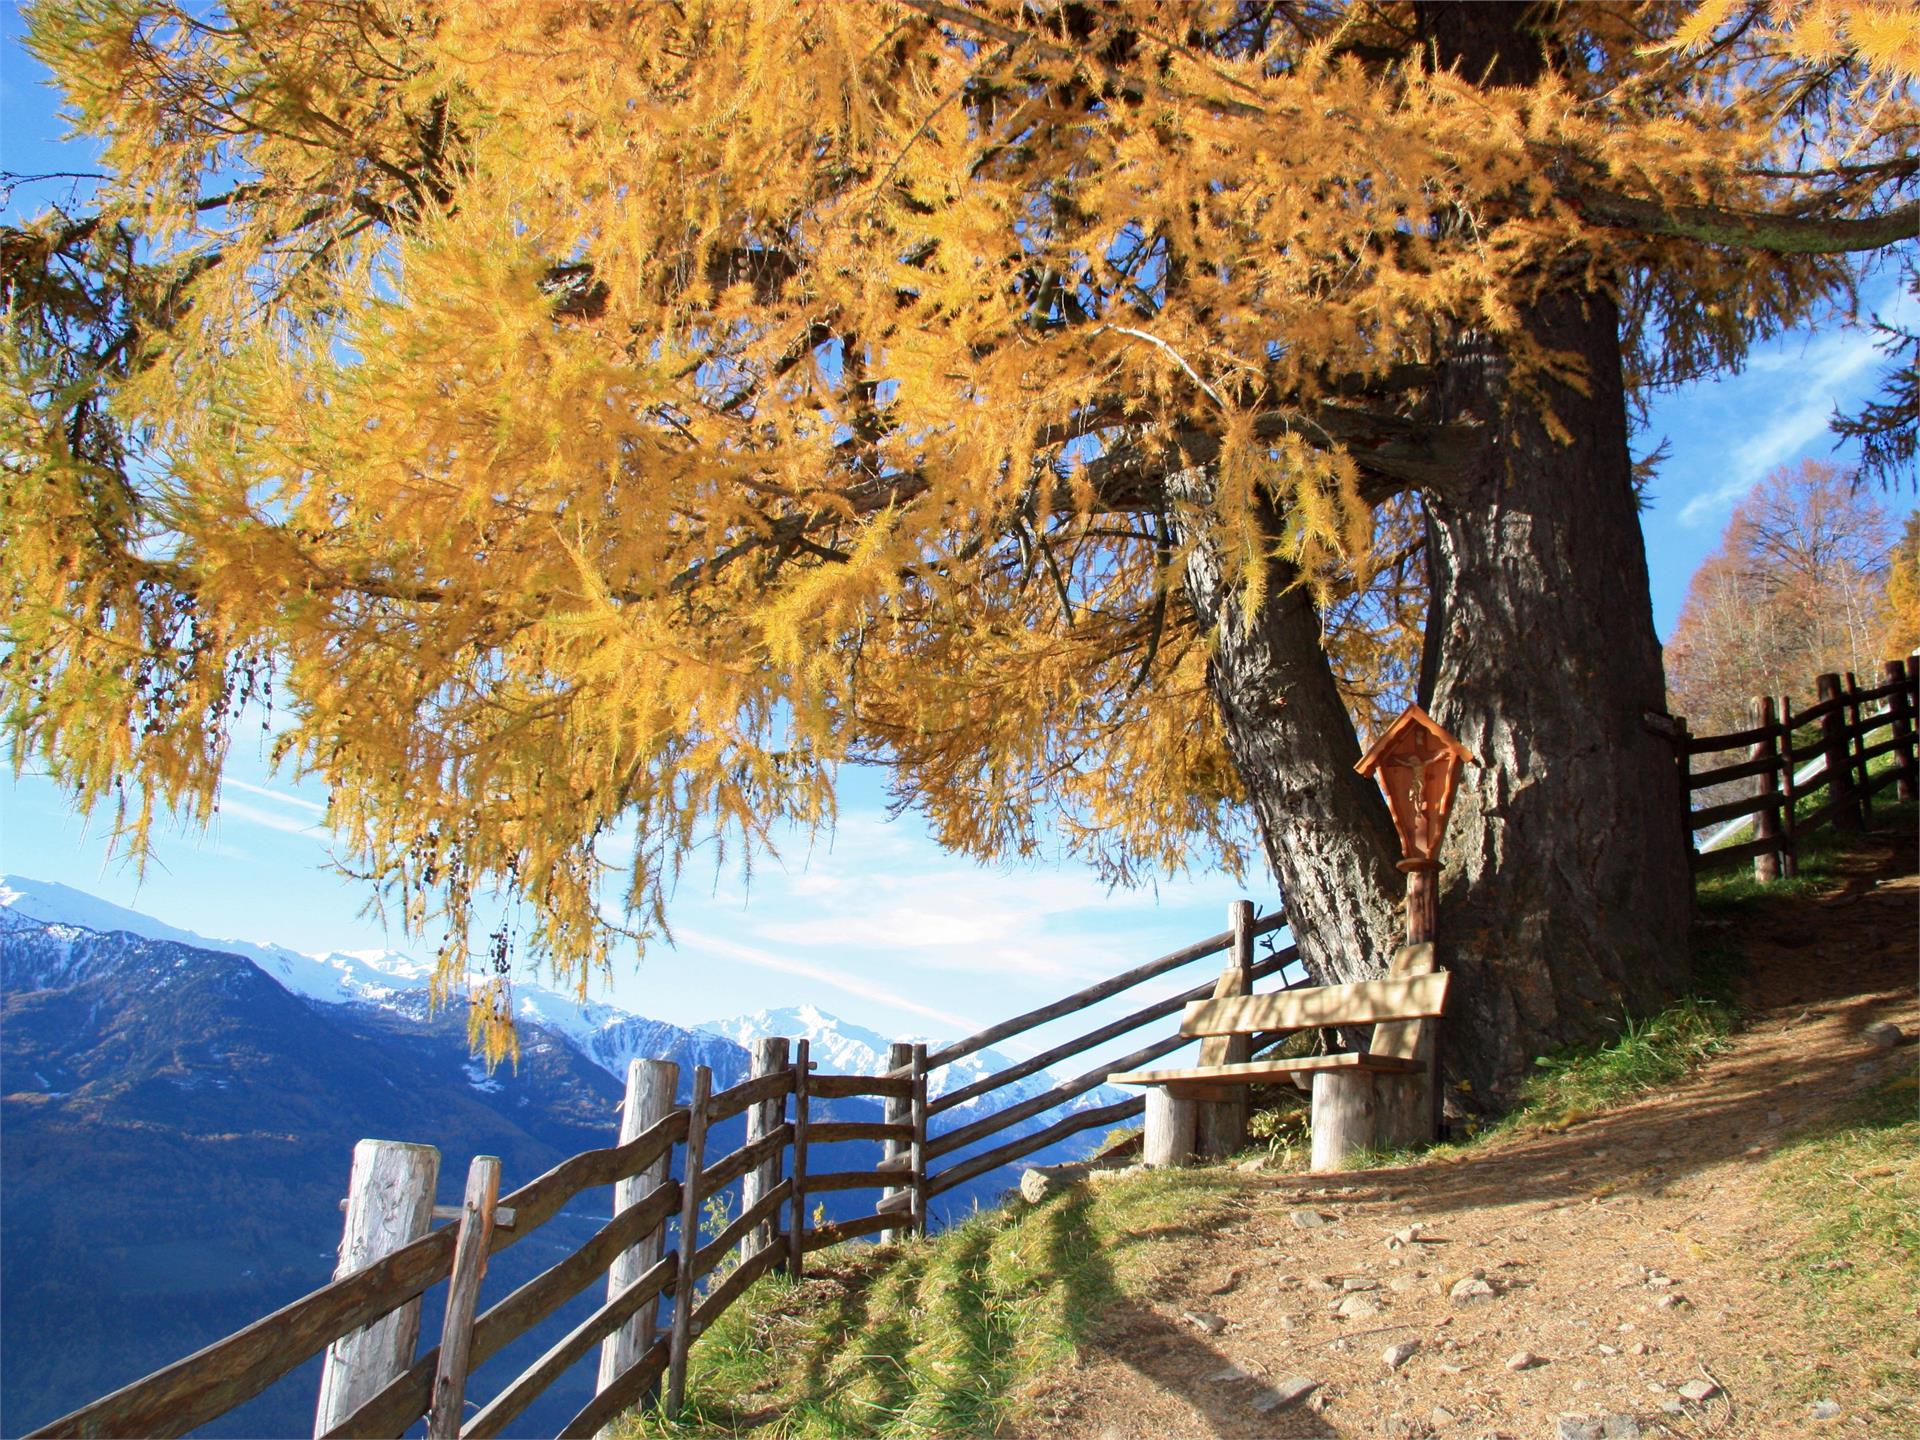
(381, 1389)
(1786, 794)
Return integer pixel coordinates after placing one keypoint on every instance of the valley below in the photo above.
(179, 1116)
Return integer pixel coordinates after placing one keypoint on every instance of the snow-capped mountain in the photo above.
(847, 1049)
(605, 1034)
(391, 980)
(235, 1078)
(842, 1048)
(337, 977)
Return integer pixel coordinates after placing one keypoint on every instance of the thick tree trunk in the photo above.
(1565, 893)
(1564, 888)
(1325, 829)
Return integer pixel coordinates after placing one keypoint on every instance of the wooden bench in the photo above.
(1384, 1096)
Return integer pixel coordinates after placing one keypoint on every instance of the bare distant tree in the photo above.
(1795, 588)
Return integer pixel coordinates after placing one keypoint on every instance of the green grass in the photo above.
(1648, 1054)
(1721, 891)
(944, 1336)
(1850, 1196)
(1567, 1087)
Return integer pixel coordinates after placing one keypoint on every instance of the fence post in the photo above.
(797, 1229)
(389, 1203)
(651, 1086)
(1766, 823)
(1904, 759)
(919, 1142)
(897, 1110)
(1789, 793)
(1222, 1124)
(1839, 755)
(769, 1058)
(1857, 746)
(695, 1160)
(463, 1298)
(1683, 763)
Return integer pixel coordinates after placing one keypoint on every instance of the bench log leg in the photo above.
(1222, 1124)
(1345, 1116)
(1221, 1128)
(1169, 1139)
(1408, 1114)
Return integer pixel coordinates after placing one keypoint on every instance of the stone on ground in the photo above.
(1394, 1356)
(1289, 1391)
(1882, 1035)
(1698, 1391)
(1205, 1320)
(1472, 1291)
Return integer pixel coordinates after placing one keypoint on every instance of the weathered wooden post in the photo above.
(1766, 786)
(463, 1298)
(651, 1087)
(763, 1118)
(1417, 764)
(1789, 793)
(1857, 749)
(918, 1145)
(1683, 763)
(681, 1332)
(1900, 706)
(1839, 755)
(1221, 1124)
(896, 1154)
(797, 1229)
(389, 1203)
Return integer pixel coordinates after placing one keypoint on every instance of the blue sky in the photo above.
(875, 923)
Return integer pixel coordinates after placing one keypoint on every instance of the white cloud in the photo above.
(825, 975)
(1798, 390)
(281, 797)
(270, 820)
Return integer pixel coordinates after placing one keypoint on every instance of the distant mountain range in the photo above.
(603, 1033)
(179, 1116)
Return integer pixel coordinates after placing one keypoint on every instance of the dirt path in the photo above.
(1627, 1253)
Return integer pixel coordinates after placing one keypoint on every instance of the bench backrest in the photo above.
(1412, 991)
(1405, 1039)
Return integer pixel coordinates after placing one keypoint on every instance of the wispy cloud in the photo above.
(279, 797)
(1797, 392)
(271, 820)
(826, 975)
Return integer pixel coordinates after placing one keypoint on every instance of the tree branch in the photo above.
(1781, 234)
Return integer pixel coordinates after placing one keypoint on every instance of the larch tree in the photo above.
(1897, 616)
(585, 415)
(1798, 586)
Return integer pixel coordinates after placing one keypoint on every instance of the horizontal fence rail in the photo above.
(651, 1255)
(1796, 769)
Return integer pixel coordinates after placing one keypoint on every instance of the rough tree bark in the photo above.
(1325, 829)
(1564, 888)
(1564, 893)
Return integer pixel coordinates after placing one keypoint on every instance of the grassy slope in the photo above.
(951, 1335)
(1851, 1197)
(945, 1336)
